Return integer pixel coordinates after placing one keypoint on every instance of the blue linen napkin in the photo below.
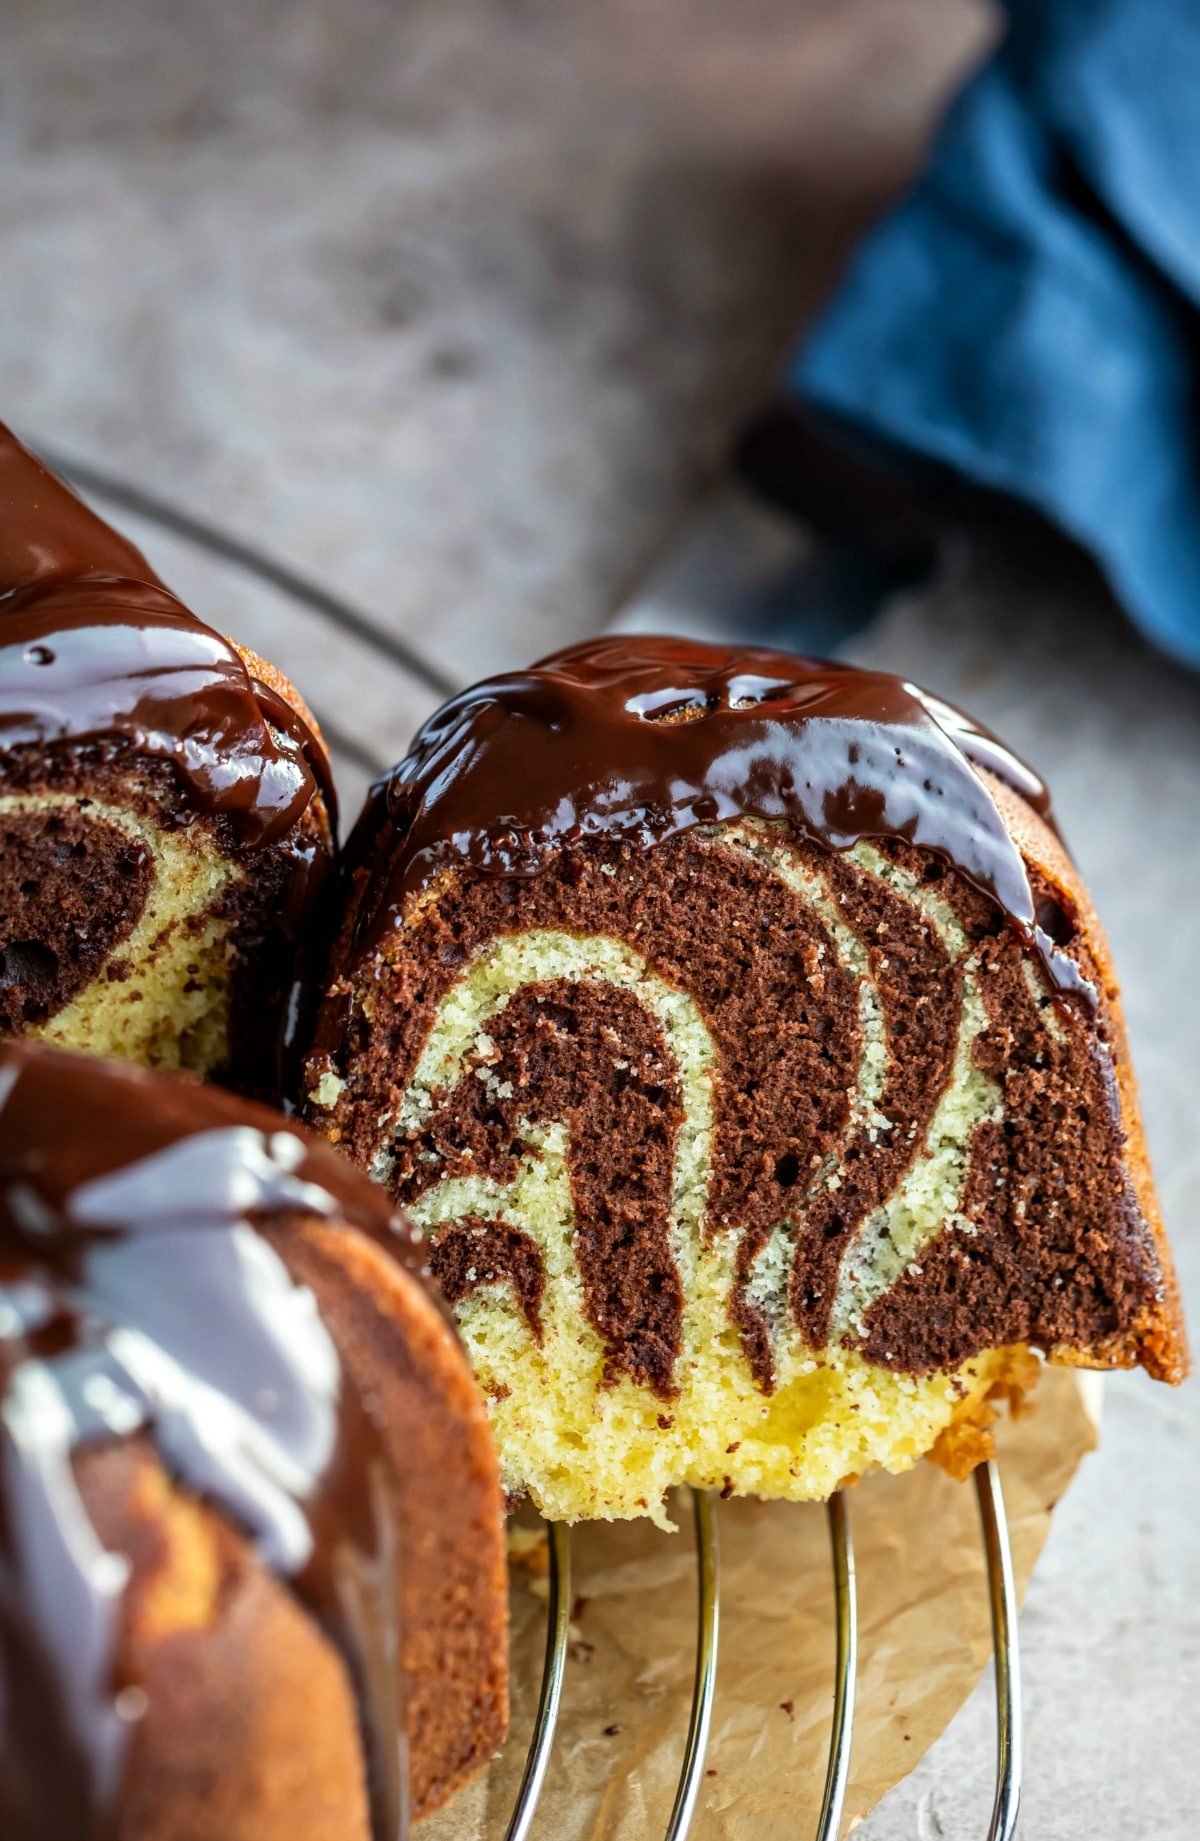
(1029, 314)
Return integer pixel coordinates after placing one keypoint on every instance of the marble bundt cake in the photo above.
(165, 806)
(746, 1044)
(250, 1512)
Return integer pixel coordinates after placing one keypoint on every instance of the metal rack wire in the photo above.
(997, 1552)
(1003, 1602)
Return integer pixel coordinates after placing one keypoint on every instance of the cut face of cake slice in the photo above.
(165, 806)
(740, 1033)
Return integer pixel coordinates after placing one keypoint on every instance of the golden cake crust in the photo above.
(1159, 1338)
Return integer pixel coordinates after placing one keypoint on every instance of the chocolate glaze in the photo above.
(93, 647)
(640, 739)
(140, 1289)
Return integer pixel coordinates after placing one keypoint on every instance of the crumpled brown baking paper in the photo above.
(923, 1640)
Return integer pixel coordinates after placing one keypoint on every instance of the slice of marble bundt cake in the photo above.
(165, 804)
(747, 1045)
(252, 1564)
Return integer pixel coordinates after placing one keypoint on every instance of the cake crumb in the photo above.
(328, 1090)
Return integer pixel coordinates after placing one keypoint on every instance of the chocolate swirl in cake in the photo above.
(140, 1290)
(639, 740)
(839, 1016)
(95, 649)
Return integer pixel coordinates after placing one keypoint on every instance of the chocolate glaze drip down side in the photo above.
(94, 648)
(639, 739)
(139, 1288)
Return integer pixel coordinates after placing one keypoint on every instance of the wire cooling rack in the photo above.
(1003, 1601)
(344, 617)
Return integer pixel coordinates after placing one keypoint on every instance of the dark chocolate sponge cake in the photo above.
(740, 1033)
(250, 1513)
(165, 808)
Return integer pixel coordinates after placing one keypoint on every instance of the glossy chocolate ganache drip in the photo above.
(641, 739)
(140, 1292)
(95, 649)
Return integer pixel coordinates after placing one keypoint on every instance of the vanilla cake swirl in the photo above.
(166, 811)
(740, 1034)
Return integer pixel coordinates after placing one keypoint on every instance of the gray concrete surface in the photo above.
(452, 301)
(1111, 1628)
(455, 306)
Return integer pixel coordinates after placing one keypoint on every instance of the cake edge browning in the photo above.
(207, 1627)
(208, 1630)
(451, 1500)
(262, 671)
(1158, 1340)
(208, 1636)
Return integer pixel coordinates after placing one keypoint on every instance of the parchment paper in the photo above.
(923, 1640)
